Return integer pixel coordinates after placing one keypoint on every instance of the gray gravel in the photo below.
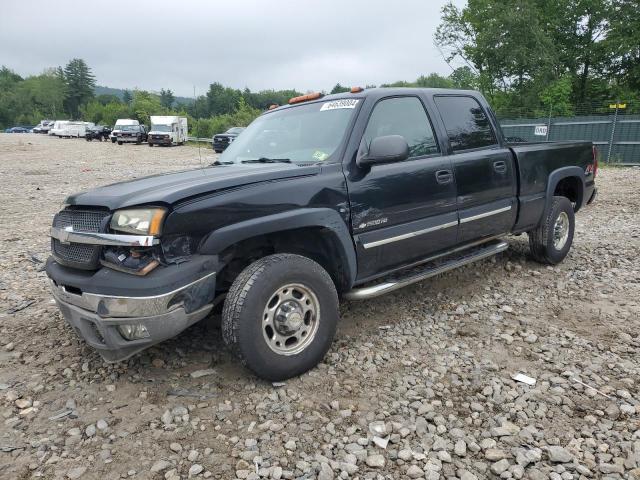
(417, 385)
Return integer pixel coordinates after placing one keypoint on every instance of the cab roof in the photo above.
(376, 93)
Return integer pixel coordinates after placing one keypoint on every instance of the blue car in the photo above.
(17, 130)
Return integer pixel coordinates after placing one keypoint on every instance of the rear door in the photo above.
(402, 211)
(484, 170)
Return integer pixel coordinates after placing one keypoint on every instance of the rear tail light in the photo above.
(595, 161)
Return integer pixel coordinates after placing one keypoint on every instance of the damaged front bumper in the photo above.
(105, 306)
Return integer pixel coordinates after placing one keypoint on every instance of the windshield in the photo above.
(308, 133)
(161, 128)
(129, 128)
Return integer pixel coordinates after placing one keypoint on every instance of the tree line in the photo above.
(542, 54)
(69, 93)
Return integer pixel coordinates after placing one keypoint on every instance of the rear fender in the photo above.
(554, 179)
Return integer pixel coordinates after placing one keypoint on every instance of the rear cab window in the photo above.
(467, 124)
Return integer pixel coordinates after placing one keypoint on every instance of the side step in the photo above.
(417, 275)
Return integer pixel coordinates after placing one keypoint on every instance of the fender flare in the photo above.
(327, 218)
(556, 176)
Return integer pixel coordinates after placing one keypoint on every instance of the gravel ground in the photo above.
(417, 385)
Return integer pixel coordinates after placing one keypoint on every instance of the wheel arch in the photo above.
(566, 182)
(318, 233)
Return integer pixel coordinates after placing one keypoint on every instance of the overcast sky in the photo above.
(258, 44)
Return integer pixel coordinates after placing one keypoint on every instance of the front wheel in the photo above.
(280, 316)
(119, 143)
(551, 241)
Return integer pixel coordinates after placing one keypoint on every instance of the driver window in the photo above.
(403, 116)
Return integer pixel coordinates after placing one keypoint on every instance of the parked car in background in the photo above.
(97, 132)
(121, 122)
(18, 130)
(132, 134)
(43, 127)
(222, 140)
(167, 130)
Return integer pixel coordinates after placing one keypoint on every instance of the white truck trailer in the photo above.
(167, 130)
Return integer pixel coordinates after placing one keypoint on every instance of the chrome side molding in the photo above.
(485, 214)
(383, 288)
(405, 236)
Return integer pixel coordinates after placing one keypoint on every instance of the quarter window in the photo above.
(403, 116)
(466, 123)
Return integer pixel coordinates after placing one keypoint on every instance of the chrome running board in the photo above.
(413, 276)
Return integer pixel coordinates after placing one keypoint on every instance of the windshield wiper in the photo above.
(218, 162)
(268, 160)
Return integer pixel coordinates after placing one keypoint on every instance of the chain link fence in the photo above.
(613, 126)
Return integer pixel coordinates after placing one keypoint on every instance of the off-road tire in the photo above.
(541, 240)
(242, 315)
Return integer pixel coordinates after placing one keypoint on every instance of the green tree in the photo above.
(127, 97)
(434, 80)
(222, 99)
(107, 98)
(80, 84)
(167, 98)
(623, 43)
(144, 105)
(465, 78)
(556, 97)
(339, 89)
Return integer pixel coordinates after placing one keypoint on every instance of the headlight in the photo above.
(145, 221)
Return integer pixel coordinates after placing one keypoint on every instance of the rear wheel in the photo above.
(551, 241)
(280, 316)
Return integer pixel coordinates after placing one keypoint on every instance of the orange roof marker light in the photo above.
(305, 98)
(275, 105)
(357, 89)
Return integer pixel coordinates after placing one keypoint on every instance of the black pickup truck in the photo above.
(351, 195)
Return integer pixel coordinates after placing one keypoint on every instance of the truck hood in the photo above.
(171, 188)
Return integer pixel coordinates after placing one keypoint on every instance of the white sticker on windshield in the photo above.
(346, 103)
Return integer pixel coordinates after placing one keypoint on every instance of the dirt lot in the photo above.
(427, 369)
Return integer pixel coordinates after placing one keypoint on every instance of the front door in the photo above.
(485, 171)
(403, 211)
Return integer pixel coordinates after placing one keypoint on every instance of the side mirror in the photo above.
(387, 149)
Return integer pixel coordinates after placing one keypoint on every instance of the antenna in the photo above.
(195, 110)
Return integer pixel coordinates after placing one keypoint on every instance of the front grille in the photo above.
(78, 255)
(80, 220)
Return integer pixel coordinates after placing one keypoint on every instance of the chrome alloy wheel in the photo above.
(290, 319)
(561, 231)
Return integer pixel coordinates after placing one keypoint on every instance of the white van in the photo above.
(58, 128)
(167, 130)
(70, 129)
(121, 122)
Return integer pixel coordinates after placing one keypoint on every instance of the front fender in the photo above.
(224, 237)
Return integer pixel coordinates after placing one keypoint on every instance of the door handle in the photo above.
(500, 166)
(444, 177)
